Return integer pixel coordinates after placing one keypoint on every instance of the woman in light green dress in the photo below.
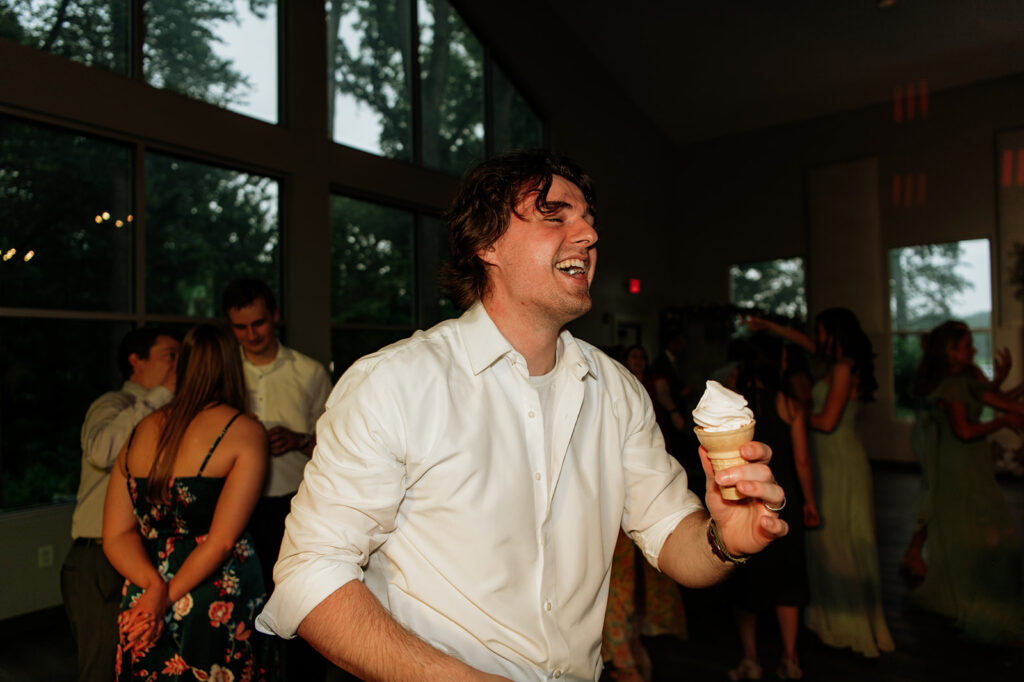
(845, 607)
(973, 551)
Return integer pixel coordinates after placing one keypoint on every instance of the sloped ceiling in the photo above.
(720, 67)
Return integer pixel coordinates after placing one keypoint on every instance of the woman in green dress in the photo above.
(178, 502)
(845, 607)
(972, 572)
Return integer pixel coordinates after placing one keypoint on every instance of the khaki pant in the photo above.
(92, 598)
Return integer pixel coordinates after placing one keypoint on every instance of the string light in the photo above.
(99, 219)
(29, 255)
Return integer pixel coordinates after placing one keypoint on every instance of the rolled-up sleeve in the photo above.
(657, 491)
(346, 505)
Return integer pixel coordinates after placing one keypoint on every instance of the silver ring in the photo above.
(775, 509)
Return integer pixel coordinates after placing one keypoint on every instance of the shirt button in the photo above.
(547, 606)
(531, 414)
(558, 673)
(537, 476)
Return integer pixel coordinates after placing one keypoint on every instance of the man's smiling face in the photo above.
(543, 264)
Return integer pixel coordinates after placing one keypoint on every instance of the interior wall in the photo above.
(35, 542)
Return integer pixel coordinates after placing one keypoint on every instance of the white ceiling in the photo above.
(700, 70)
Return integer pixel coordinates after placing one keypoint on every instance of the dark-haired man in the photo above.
(481, 470)
(287, 392)
(147, 359)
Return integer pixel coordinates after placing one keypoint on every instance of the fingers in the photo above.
(755, 451)
(773, 526)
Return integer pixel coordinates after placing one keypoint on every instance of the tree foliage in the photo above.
(923, 281)
(371, 60)
(204, 226)
(773, 287)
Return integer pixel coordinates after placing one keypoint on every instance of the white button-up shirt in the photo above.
(431, 470)
(291, 392)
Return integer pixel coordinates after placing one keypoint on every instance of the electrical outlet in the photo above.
(45, 556)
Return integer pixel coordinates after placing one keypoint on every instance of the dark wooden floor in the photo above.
(38, 648)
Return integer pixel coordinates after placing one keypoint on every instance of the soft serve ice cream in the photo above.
(724, 424)
(720, 409)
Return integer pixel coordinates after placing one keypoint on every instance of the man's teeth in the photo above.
(572, 266)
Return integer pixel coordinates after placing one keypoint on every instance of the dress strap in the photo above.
(217, 442)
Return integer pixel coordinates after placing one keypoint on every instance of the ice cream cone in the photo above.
(724, 451)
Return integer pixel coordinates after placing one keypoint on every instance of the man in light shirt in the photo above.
(287, 391)
(91, 588)
(458, 518)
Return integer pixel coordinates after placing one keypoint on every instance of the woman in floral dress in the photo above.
(177, 505)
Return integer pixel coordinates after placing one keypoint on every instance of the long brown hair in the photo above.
(934, 365)
(209, 371)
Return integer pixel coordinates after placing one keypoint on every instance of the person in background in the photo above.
(776, 579)
(91, 588)
(662, 611)
(973, 572)
(934, 365)
(845, 606)
(174, 522)
(458, 518)
(287, 392)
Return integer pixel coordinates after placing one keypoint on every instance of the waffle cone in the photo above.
(724, 451)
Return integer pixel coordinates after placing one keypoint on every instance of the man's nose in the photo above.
(584, 233)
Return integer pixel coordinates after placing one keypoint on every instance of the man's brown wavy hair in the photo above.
(483, 206)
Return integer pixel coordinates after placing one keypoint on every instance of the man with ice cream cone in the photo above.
(480, 471)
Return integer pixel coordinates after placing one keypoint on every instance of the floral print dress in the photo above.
(208, 633)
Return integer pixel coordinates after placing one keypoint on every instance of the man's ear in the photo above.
(276, 317)
(486, 254)
(134, 360)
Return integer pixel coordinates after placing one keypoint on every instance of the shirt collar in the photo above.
(485, 344)
(283, 354)
(137, 390)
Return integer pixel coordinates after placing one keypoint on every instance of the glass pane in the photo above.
(224, 53)
(906, 355)
(451, 73)
(932, 283)
(94, 33)
(66, 222)
(41, 420)
(437, 306)
(371, 263)
(347, 346)
(204, 227)
(370, 66)
(772, 287)
(516, 125)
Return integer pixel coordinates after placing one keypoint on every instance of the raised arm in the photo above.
(110, 421)
(743, 528)
(788, 333)
(964, 429)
